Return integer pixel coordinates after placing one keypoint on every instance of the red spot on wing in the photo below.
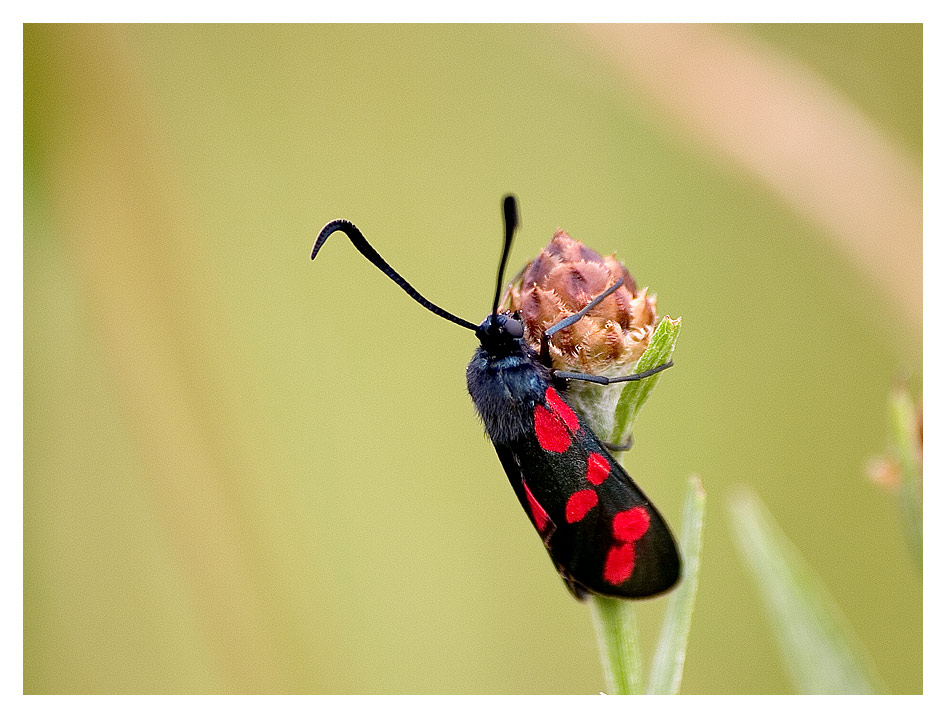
(630, 525)
(562, 409)
(619, 563)
(550, 431)
(540, 517)
(579, 504)
(627, 527)
(598, 469)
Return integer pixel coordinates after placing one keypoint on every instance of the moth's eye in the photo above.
(514, 328)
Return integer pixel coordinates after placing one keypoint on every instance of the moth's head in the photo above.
(497, 331)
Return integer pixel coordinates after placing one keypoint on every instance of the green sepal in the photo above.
(635, 394)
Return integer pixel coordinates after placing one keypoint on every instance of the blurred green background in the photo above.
(248, 472)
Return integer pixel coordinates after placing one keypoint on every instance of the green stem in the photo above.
(614, 621)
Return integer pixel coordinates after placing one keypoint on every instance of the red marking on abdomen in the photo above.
(619, 564)
(550, 431)
(598, 470)
(579, 504)
(540, 517)
(630, 525)
(562, 409)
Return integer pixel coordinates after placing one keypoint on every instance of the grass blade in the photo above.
(907, 443)
(821, 652)
(668, 665)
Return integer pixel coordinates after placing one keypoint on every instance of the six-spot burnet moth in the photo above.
(602, 532)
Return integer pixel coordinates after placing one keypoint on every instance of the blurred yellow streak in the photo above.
(132, 256)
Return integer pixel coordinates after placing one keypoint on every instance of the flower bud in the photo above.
(562, 280)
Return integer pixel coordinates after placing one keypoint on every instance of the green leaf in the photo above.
(821, 652)
(668, 665)
(614, 621)
(635, 394)
(908, 449)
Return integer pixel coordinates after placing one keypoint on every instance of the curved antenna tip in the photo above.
(510, 212)
(370, 254)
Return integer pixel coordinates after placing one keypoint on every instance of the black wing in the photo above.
(602, 532)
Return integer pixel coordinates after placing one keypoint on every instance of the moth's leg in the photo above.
(572, 319)
(623, 447)
(599, 379)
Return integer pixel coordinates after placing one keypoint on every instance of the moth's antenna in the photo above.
(361, 244)
(510, 221)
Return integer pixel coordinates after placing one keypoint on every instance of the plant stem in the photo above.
(614, 621)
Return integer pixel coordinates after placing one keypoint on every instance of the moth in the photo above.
(603, 534)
